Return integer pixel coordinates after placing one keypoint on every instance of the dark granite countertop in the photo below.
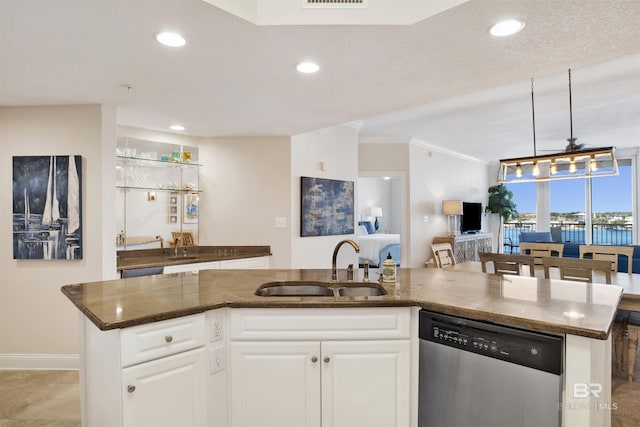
(532, 303)
(144, 258)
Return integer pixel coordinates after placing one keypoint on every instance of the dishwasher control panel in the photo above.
(526, 348)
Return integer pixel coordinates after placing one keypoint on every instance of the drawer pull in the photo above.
(326, 359)
(168, 338)
(314, 359)
(131, 388)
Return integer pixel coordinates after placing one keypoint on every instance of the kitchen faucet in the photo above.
(334, 269)
(175, 245)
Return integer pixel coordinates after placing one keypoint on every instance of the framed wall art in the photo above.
(47, 207)
(327, 207)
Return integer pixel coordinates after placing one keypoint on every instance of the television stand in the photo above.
(467, 246)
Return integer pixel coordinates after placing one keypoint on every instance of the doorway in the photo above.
(383, 194)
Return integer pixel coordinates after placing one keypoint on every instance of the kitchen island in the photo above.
(214, 320)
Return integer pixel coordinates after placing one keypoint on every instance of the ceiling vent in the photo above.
(336, 4)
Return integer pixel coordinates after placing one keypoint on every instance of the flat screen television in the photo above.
(471, 217)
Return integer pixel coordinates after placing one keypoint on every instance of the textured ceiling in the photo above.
(444, 80)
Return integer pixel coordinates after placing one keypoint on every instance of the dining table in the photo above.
(630, 282)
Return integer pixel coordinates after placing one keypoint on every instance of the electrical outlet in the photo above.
(217, 333)
(216, 360)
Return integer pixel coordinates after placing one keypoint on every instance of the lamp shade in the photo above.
(452, 207)
(375, 211)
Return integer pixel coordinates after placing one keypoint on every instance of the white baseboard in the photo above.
(54, 362)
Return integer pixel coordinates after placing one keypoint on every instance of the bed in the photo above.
(374, 247)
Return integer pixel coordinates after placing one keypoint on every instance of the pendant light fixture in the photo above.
(574, 162)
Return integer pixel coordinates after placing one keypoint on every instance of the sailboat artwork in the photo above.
(47, 207)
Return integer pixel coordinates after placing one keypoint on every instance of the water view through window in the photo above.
(611, 210)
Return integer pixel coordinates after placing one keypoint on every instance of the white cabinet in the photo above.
(245, 263)
(149, 375)
(275, 384)
(190, 268)
(166, 392)
(365, 383)
(240, 263)
(332, 372)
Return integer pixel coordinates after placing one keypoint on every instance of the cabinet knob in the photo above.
(131, 388)
(314, 359)
(168, 338)
(327, 359)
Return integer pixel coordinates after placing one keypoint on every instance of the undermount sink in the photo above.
(294, 289)
(320, 289)
(362, 290)
(181, 258)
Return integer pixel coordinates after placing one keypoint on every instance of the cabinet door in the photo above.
(366, 383)
(170, 391)
(245, 263)
(275, 384)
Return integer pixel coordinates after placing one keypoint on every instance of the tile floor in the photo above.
(52, 399)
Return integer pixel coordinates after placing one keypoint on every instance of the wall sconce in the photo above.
(151, 196)
(375, 212)
(452, 208)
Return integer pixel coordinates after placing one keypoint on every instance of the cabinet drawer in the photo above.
(320, 323)
(159, 339)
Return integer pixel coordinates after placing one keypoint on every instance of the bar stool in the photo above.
(633, 331)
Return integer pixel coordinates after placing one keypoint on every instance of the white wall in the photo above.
(39, 325)
(245, 184)
(436, 176)
(337, 146)
(432, 177)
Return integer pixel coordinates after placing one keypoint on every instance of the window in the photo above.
(524, 196)
(611, 207)
(597, 211)
(568, 208)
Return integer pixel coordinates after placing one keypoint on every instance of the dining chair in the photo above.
(541, 250)
(577, 269)
(443, 255)
(507, 263)
(609, 253)
(508, 244)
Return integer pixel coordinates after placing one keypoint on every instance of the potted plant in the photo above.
(501, 203)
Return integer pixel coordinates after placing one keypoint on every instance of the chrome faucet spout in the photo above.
(334, 259)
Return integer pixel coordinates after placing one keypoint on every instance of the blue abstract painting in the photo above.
(327, 207)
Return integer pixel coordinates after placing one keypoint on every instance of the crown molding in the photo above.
(434, 147)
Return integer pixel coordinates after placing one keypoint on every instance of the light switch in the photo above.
(281, 222)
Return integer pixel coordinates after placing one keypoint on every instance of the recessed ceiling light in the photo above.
(170, 39)
(507, 27)
(307, 67)
(176, 127)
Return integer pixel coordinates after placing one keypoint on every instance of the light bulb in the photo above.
(553, 169)
(572, 165)
(536, 169)
(518, 171)
(593, 165)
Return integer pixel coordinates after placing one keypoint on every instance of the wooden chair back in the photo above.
(184, 238)
(507, 263)
(608, 253)
(580, 270)
(443, 254)
(541, 250)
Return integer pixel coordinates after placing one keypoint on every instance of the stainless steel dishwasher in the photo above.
(486, 375)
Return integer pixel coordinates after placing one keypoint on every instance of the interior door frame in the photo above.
(405, 247)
